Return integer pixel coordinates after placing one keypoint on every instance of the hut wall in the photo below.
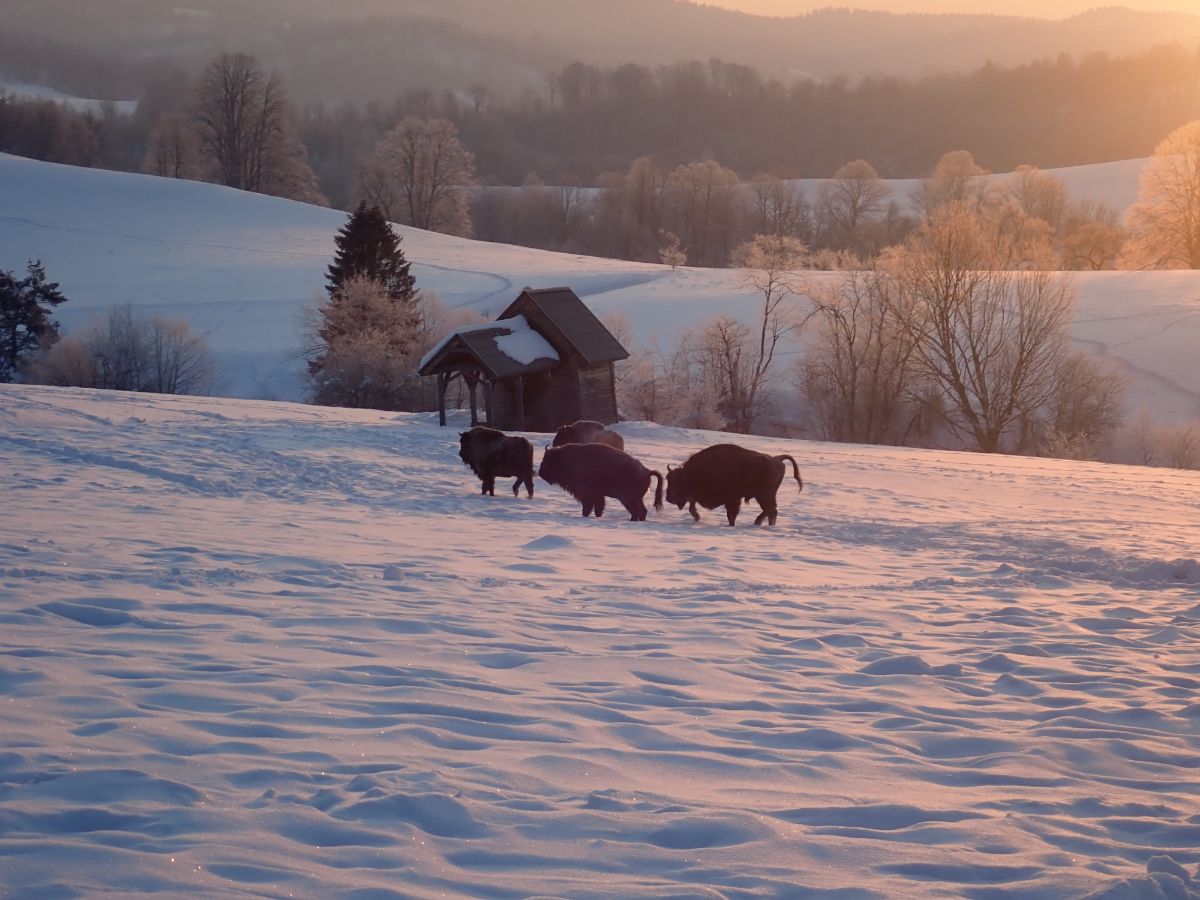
(551, 399)
(562, 397)
(598, 395)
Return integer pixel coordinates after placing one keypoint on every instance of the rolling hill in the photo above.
(242, 267)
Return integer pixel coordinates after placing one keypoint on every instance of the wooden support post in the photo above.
(443, 380)
(521, 402)
(471, 382)
(489, 390)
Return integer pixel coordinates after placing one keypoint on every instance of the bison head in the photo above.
(551, 469)
(677, 491)
(464, 447)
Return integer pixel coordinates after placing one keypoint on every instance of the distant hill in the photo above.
(374, 48)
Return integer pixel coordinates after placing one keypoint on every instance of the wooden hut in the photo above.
(545, 362)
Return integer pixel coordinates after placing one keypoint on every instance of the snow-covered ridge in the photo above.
(253, 648)
(80, 104)
(241, 268)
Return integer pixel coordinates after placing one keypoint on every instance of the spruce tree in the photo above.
(367, 247)
(25, 323)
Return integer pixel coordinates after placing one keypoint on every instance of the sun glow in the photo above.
(1044, 9)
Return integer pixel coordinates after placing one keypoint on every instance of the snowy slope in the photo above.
(79, 104)
(241, 267)
(258, 649)
(1113, 183)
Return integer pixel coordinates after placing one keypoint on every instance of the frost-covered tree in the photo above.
(671, 252)
(1164, 225)
(361, 346)
(26, 305)
(419, 174)
(1092, 236)
(956, 180)
(1037, 194)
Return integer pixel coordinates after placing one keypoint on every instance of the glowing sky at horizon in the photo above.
(1042, 8)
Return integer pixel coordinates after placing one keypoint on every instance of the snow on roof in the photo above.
(522, 343)
(441, 345)
(514, 337)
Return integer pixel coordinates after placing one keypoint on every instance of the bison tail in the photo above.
(795, 469)
(658, 491)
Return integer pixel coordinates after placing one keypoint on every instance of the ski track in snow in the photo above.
(256, 649)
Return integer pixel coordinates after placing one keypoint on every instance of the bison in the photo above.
(591, 472)
(725, 475)
(490, 453)
(585, 431)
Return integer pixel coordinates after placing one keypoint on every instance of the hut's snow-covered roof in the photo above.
(505, 348)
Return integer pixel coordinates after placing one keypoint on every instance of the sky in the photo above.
(1043, 8)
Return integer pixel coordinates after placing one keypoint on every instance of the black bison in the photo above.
(490, 453)
(725, 475)
(591, 472)
(585, 431)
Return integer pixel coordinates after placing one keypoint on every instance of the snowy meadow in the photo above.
(241, 268)
(262, 649)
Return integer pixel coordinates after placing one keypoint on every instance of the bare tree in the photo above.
(174, 150)
(1180, 445)
(177, 358)
(860, 373)
(126, 352)
(419, 175)
(992, 340)
(703, 207)
(741, 357)
(1084, 410)
(855, 197)
(1164, 225)
(778, 207)
(245, 128)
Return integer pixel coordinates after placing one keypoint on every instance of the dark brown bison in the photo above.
(591, 472)
(490, 453)
(585, 431)
(725, 475)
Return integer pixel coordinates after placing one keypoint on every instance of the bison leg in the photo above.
(637, 509)
(489, 486)
(587, 506)
(517, 486)
(692, 510)
(732, 508)
(769, 510)
(529, 485)
(599, 506)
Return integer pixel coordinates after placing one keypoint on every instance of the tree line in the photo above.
(585, 122)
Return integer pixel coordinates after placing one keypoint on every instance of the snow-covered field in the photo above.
(241, 267)
(80, 104)
(262, 649)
